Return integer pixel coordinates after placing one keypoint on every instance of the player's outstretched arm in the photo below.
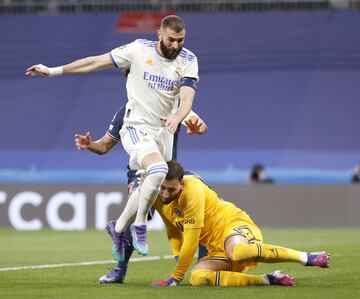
(81, 66)
(100, 146)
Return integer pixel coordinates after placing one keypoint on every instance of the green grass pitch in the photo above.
(341, 280)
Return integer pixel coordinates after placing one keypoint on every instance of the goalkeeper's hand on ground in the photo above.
(171, 281)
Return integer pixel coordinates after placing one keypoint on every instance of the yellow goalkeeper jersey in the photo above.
(199, 207)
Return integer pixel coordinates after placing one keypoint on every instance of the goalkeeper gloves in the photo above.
(168, 282)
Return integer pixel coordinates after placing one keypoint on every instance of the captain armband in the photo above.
(191, 82)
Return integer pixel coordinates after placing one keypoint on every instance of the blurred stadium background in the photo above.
(280, 85)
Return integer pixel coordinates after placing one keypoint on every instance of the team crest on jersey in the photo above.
(178, 72)
(177, 212)
(149, 62)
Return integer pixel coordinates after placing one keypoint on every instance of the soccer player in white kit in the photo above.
(159, 74)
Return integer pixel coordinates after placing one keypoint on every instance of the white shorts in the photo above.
(139, 142)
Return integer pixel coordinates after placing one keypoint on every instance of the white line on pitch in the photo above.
(136, 259)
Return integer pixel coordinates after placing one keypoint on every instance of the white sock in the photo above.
(155, 175)
(304, 258)
(129, 213)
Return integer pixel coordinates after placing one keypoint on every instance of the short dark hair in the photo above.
(173, 22)
(255, 172)
(176, 171)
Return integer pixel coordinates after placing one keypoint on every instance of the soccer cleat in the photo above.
(138, 234)
(320, 259)
(118, 246)
(116, 275)
(281, 278)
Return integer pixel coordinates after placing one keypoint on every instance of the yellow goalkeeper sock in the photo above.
(256, 252)
(225, 278)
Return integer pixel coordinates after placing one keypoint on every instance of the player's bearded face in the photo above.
(169, 53)
(170, 190)
(171, 42)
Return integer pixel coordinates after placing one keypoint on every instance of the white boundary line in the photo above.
(46, 266)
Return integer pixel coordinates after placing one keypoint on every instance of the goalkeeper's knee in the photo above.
(245, 252)
(202, 277)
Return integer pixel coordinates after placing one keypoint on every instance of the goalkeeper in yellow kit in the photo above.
(193, 213)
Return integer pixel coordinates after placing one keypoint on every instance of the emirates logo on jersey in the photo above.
(159, 82)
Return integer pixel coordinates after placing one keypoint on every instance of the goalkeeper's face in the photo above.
(170, 190)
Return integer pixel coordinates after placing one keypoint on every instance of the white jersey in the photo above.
(153, 84)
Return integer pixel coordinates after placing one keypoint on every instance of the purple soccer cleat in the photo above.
(118, 247)
(281, 278)
(116, 275)
(320, 259)
(138, 234)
